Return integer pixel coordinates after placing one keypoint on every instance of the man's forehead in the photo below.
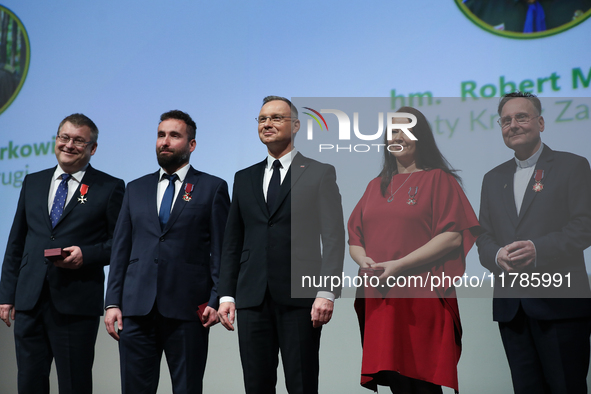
(518, 104)
(172, 125)
(68, 127)
(275, 106)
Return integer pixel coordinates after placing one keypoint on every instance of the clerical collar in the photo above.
(531, 161)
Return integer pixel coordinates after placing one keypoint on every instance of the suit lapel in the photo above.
(508, 191)
(258, 173)
(544, 163)
(45, 187)
(152, 197)
(179, 203)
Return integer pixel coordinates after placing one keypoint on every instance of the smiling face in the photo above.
(278, 137)
(523, 138)
(406, 156)
(70, 157)
(173, 146)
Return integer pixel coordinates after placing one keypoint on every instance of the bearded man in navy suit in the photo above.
(536, 213)
(56, 304)
(162, 288)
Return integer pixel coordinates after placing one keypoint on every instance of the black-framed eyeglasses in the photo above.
(64, 139)
(521, 118)
(275, 119)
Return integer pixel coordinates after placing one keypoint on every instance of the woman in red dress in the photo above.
(413, 221)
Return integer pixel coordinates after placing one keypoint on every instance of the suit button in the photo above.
(52, 238)
(161, 239)
(155, 261)
(271, 224)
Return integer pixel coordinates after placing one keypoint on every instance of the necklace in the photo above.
(391, 198)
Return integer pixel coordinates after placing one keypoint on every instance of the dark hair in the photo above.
(294, 110)
(80, 120)
(427, 156)
(180, 115)
(526, 95)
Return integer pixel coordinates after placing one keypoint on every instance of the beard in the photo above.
(173, 161)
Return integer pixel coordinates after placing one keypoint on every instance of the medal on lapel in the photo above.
(412, 197)
(538, 186)
(188, 190)
(83, 190)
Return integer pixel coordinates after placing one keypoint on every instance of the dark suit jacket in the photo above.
(557, 220)
(89, 226)
(178, 267)
(263, 249)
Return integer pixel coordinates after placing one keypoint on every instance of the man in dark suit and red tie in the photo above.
(285, 221)
(56, 304)
(162, 288)
(535, 211)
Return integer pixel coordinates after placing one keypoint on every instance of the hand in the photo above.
(366, 262)
(210, 317)
(391, 268)
(112, 316)
(7, 312)
(73, 261)
(321, 311)
(504, 261)
(226, 313)
(522, 254)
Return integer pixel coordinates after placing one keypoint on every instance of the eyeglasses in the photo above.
(64, 139)
(275, 119)
(521, 118)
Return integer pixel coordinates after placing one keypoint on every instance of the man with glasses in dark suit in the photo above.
(56, 303)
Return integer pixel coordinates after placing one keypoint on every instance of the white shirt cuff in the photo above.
(325, 294)
(227, 299)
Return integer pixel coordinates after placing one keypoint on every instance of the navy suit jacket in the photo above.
(557, 220)
(89, 226)
(178, 266)
(265, 249)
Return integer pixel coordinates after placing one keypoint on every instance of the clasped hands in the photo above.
(516, 256)
(391, 267)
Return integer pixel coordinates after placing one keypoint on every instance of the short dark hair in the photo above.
(294, 110)
(180, 115)
(427, 156)
(526, 95)
(80, 120)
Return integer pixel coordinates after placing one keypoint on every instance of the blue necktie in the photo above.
(274, 185)
(59, 200)
(166, 203)
(535, 20)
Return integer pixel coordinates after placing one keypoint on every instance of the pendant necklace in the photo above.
(391, 198)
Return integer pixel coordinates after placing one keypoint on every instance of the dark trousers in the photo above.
(141, 343)
(42, 335)
(268, 328)
(547, 356)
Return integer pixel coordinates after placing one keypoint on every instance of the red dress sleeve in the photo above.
(452, 212)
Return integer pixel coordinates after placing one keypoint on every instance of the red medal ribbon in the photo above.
(83, 189)
(538, 186)
(188, 190)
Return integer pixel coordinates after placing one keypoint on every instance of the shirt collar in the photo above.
(77, 176)
(531, 161)
(181, 173)
(285, 160)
